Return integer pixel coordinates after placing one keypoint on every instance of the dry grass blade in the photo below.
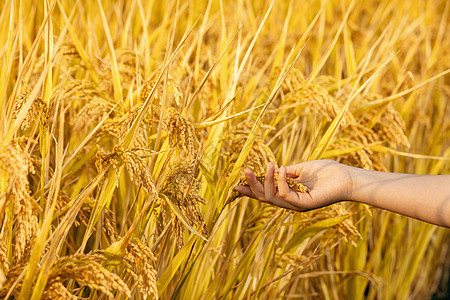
(324, 58)
(384, 149)
(205, 78)
(391, 98)
(215, 122)
(115, 70)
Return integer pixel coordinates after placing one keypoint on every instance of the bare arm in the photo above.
(424, 197)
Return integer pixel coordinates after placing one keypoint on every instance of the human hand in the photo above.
(329, 182)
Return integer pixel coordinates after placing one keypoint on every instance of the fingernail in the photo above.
(238, 188)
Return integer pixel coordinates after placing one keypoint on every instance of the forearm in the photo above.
(424, 197)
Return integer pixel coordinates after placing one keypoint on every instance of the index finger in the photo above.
(294, 170)
(283, 188)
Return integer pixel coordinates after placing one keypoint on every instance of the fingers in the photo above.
(269, 182)
(245, 190)
(277, 200)
(280, 202)
(294, 170)
(283, 187)
(255, 186)
(284, 197)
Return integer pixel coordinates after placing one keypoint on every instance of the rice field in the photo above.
(125, 126)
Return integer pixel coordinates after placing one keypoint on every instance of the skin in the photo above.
(423, 197)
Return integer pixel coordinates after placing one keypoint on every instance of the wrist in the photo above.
(355, 176)
(362, 185)
(346, 177)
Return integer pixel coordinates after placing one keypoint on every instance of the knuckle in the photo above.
(251, 182)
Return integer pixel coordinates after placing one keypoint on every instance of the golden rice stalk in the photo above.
(364, 158)
(139, 171)
(127, 121)
(317, 97)
(181, 132)
(20, 101)
(17, 163)
(174, 92)
(130, 65)
(139, 261)
(178, 229)
(15, 270)
(294, 79)
(297, 90)
(92, 112)
(260, 154)
(97, 103)
(110, 224)
(57, 291)
(78, 91)
(293, 185)
(37, 106)
(82, 218)
(346, 228)
(68, 60)
(296, 261)
(116, 131)
(103, 160)
(384, 122)
(182, 186)
(4, 263)
(358, 136)
(380, 125)
(84, 213)
(257, 220)
(391, 127)
(207, 95)
(86, 270)
(136, 167)
(11, 277)
(110, 130)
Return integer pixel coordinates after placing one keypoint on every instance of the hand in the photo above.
(329, 182)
